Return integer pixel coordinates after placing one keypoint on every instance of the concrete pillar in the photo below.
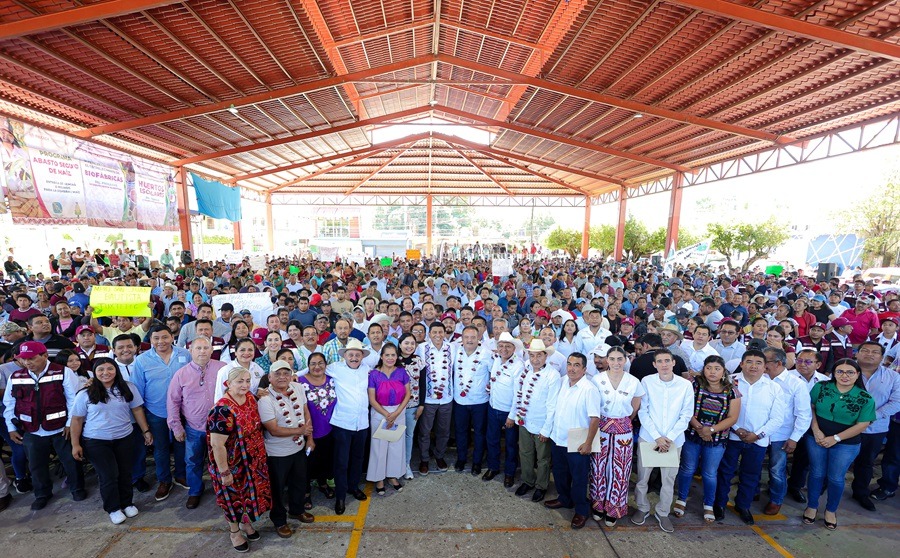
(586, 232)
(674, 213)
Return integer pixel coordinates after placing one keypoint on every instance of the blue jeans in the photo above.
(164, 445)
(465, 416)
(19, 462)
(410, 432)
(349, 453)
(745, 460)
(194, 454)
(890, 461)
(831, 463)
(692, 454)
(570, 474)
(778, 459)
(495, 426)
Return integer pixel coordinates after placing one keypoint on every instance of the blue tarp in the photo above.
(216, 199)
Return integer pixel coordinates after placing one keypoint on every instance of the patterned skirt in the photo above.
(611, 467)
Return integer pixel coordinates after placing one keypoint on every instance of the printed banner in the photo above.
(259, 304)
(502, 267)
(234, 256)
(257, 262)
(328, 253)
(107, 203)
(156, 203)
(120, 301)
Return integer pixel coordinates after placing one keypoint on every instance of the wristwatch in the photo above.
(712, 428)
(836, 438)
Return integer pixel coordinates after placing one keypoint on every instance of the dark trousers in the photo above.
(349, 452)
(321, 460)
(799, 465)
(138, 455)
(864, 466)
(890, 461)
(19, 463)
(746, 460)
(468, 417)
(112, 461)
(287, 472)
(496, 421)
(38, 449)
(570, 474)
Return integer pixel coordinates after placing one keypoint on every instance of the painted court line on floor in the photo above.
(359, 523)
(778, 548)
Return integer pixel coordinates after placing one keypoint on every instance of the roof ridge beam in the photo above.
(617, 102)
(796, 27)
(78, 16)
(332, 81)
(482, 170)
(372, 174)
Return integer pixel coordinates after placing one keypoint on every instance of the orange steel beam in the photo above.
(184, 211)
(320, 172)
(77, 16)
(372, 174)
(620, 225)
(586, 231)
(238, 243)
(617, 102)
(274, 94)
(311, 7)
(499, 36)
(481, 169)
(560, 139)
(328, 158)
(551, 37)
(523, 168)
(674, 214)
(796, 27)
(302, 137)
(376, 94)
(526, 159)
(381, 33)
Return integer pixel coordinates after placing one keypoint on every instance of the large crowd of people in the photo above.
(601, 373)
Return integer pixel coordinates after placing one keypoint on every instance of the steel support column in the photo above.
(270, 226)
(238, 243)
(428, 207)
(184, 211)
(620, 225)
(586, 232)
(674, 213)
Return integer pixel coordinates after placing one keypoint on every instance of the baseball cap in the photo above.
(628, 321)
(246, 312)
(280, 365)
(542, 314)
(10, 327)
(259, 335)
(820, 298)
(448, 315)
(839, 322)
(819, 325)
(757, 344)
(894, 319)
(682, 313)
(78, 288)
(31, 349)
(82, 329)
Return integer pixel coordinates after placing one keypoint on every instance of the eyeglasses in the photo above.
(845, 372)
(805, 361)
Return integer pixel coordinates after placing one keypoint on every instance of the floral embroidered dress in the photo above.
(250, 494)
(321, 401)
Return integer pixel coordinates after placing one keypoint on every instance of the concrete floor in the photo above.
(444, 515)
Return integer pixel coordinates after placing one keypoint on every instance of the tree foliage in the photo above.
(876, 219)
(603, 239)
(754, 241)
(564, 239)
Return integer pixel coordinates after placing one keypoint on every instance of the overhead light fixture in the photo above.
(638, 115)
(233, 110)
(433, 102)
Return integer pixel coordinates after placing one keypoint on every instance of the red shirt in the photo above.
(862, 324)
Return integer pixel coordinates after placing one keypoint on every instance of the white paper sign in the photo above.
(234, 256)
(501, 267)
(328, 253)
(257, 262)
(260, 304)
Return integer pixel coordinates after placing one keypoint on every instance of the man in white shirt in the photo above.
(350, 421)
(438, 357)
(576, 406)
(537, 383)
(555, 359)
(505, 370)
(471, 369)
(807, 363)
(698, 348)
(594, 333)
(666, 410)
(797, 418)
(762, 413)
(728, 345)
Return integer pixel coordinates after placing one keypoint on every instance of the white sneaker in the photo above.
(130, 511)
(409, 473)
(117, 517)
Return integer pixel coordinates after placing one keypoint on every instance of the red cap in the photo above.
(819, 325)
(542, 314)
(839, 322)
(448, 315)
(83, 328)
(259, 335)
(30, 349)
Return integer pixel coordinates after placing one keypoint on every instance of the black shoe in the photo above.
(865, 502)
(797, 495)
(881, 494)
(39, 503)
(538, 495)
(79, 495)
(745, 515)
(719, 513)
(142, 486)
(359, 495)
(5, 502)
(524, 489)
(476, 470)
(489, 475)
(508, 481)
(460, 466)
(23, 486)
(339, 507)
(252, 536)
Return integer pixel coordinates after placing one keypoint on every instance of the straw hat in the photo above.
(506, 337)
(537, 346)
(354, 345)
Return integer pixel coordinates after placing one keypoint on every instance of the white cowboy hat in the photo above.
(354, 345)
(506, 337)
(562, 314)
(378, 318)
(537, 346)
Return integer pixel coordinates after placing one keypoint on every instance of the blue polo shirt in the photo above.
(151, 376)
